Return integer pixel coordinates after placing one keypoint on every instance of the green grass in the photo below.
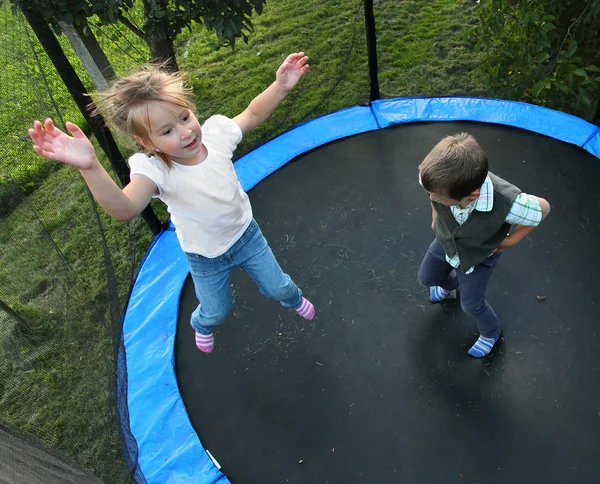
(24, 96)
(56, 374)
(55, 365)
(420, 49)
(225, 81)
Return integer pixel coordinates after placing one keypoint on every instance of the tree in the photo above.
(540, 51)
(163, 19)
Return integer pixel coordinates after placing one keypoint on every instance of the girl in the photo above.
(189, 167)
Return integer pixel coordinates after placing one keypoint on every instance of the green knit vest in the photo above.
(482, 232)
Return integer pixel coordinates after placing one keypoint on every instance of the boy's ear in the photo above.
(475, 194)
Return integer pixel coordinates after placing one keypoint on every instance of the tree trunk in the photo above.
(91, 54)
(157, 33)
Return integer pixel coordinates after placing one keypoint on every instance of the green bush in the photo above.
(540, 51)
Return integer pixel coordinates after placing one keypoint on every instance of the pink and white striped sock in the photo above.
(306, 309)
(205, 342)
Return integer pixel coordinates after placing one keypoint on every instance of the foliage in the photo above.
(163, 19)
(229, 19)
(540, 51)
(77, 12)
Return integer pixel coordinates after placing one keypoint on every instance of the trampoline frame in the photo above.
(169, 449)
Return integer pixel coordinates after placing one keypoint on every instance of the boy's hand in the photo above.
(51, 143)
(505, 244)
(292, 69)
(521, 231)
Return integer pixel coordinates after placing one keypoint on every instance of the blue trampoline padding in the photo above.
(555, 124)
(593, 145)
(169, 448)
(260, 163)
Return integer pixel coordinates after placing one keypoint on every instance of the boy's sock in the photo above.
(205, 342)
(306, 309)
(482, 346)
(437, 294)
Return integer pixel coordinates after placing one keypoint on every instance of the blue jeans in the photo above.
(211, 278)
(435, 271)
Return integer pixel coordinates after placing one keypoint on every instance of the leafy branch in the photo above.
(540, 51)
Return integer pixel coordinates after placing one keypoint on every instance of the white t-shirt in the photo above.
(208, 206)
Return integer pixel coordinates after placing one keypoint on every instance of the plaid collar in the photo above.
(485, 202)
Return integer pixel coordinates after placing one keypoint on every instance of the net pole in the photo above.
(372, 50)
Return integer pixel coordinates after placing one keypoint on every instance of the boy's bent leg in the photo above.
(258, 260)
(472, 299)
(437, 274)
(213, 290)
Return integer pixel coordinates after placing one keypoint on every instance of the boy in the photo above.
(472, 213)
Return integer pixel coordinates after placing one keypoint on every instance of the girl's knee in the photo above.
(203, 321)
(281, 292)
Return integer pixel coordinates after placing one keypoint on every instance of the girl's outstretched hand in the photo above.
(50, 142)
(292, 69)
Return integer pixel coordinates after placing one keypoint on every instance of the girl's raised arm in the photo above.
(77, 151)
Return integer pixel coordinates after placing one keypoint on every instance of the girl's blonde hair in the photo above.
(125, 104)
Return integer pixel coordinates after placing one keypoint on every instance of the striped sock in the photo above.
(482, 346)
(205, 342)
(437, 294)
(306, 309)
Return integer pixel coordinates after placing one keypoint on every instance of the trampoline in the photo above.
(379, 388)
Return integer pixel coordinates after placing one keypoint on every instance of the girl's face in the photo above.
(175, 131)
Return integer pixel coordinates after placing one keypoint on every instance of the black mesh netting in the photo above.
(27, 459)
(65, 274)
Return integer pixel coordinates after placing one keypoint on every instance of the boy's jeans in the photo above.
(211, 278)
(435, 271)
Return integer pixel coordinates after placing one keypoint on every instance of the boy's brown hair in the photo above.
(125, 103)
(455, 167)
